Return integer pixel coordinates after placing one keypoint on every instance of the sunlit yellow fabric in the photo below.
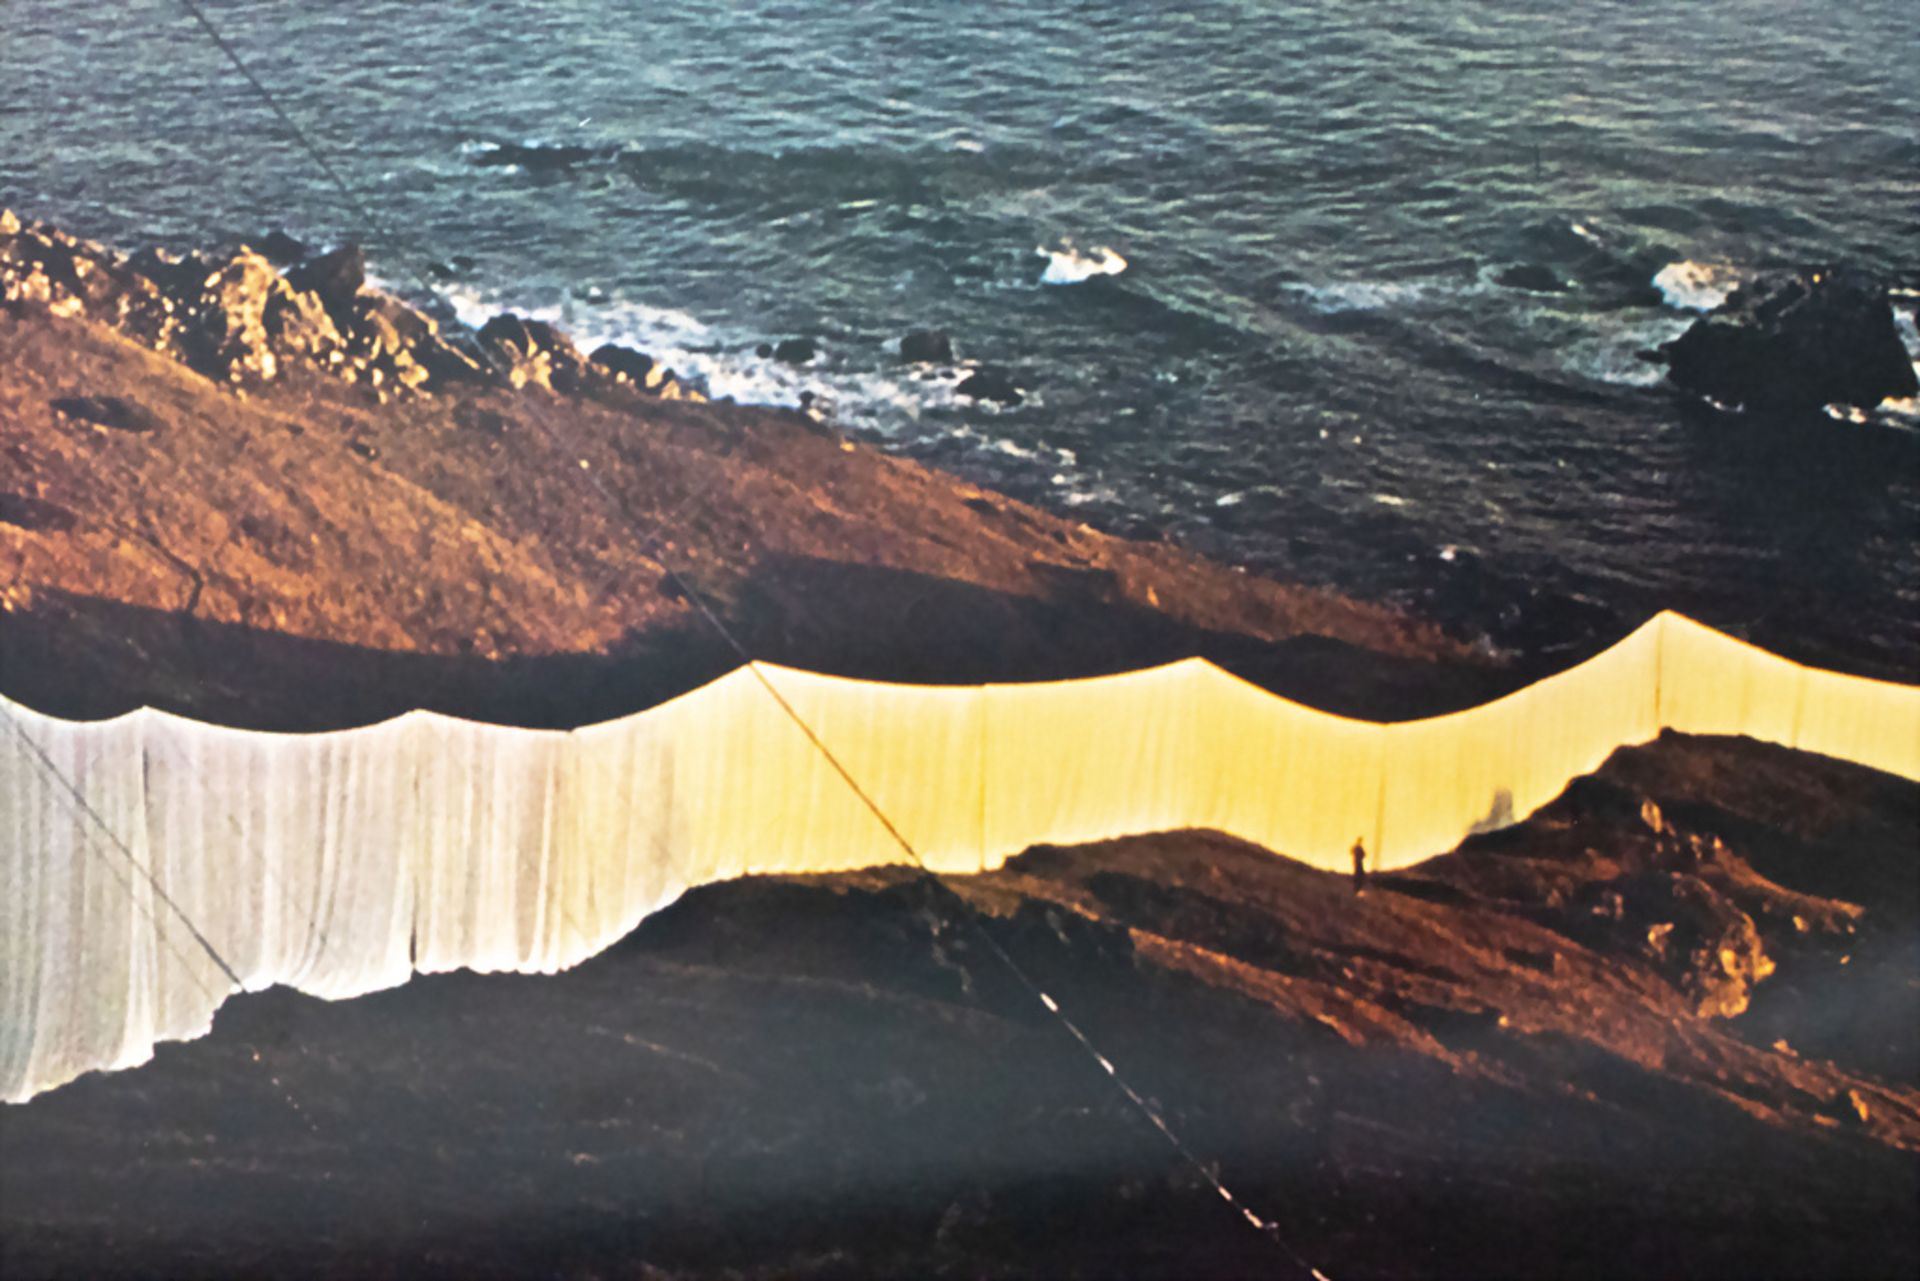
(1282, 775)
(1072, 761)
(342, 863)
(1484, 768)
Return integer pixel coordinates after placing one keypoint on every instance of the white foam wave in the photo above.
(722, 364)
(1903, 411)
(1695, 286)
(1587, 234)
(1012, 448)
(1363, 295)
(1242, 495)
(1068, 266)
(1610, 352)
(1905, 325)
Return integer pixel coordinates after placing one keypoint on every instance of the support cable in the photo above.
(53, 771)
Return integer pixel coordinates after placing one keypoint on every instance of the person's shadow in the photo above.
(1501, 815)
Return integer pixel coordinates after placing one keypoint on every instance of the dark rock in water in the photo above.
(795, 351)
(1532, 277)
(764, 351)
(280, 249)
(620, 366)
(337, 277)
(927, 346)
(990, 382)
(115, 412)
(1795, 342)
(509, 330)
(623, 362)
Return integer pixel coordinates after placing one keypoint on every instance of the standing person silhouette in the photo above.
(1359, 865)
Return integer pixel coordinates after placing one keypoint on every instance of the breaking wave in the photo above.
(1068, 266)
(1696, 286)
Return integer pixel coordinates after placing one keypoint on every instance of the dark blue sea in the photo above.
(1308, 364)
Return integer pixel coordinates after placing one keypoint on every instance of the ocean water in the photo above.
(1243, 256)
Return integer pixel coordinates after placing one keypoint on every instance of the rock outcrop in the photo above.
(927, 347)
(239, 320)
(1796, 342)
(1533, 278)
(795, 351)
(990, 382)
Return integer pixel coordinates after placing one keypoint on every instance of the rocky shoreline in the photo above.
(246, 316)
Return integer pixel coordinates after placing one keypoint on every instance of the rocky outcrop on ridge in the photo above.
(1794, 342)
(238, 319)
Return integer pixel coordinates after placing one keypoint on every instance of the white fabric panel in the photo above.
(652, 806)
(295, 849)
(1713, 684)
(1075, 761)
(1875, 723)
(481, 840)
(1452, 776)
(1493, 765)
(95, 968)
(340, 863)
(918, 751)
(1299, 781)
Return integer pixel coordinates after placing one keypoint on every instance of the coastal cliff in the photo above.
(241, 495)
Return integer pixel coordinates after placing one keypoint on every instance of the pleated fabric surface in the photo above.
(139, 849)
